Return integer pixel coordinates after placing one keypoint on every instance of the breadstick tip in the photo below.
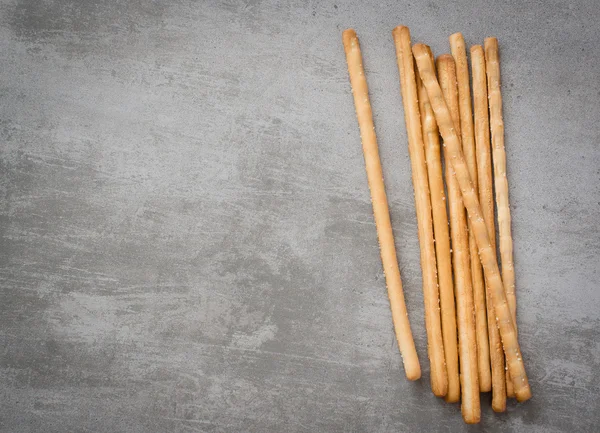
(350, 39)
(444, 60)
(429, 51)
(421, 50)
(458, 36)
(523, 393)
(476, 49)
(490, 43)
(398, 31)
(412, 372)
(445, 57)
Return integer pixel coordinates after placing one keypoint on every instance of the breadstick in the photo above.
(501, 183)
(490, 267)
(457, 46)
(500, 180)
(442, 240)
(467, 344)
(486, 198)
(435, 344)
(381, 212)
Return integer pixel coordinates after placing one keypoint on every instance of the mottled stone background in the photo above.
(186, 237)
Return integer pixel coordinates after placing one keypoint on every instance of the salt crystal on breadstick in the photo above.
(490, 267)
(381, 212)
(435, 344)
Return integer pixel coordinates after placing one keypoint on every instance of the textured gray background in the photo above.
(187, 241)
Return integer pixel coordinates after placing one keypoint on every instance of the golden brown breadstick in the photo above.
(381, 212)
(442, 240)
(457, 46)
(435, 344)
(500, 180)
(501, 183)
(486, 199)
(490, 267)
(467, 345)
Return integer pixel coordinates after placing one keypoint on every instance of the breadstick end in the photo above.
(472, 418)
(476, 50)
(420, 50)
(442, 58)
(523, 393)
(456, 37)
(499, 406)
(454, 398)
(400, 32)
(413, 373)
(429, 51)
(490, 43)
(350, 39)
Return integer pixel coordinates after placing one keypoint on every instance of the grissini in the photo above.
(500, 179)
(433, 326)
(467, 345)
(381, 212)
(486, 199)
(490, 266)
(431, 141)
(459, 52)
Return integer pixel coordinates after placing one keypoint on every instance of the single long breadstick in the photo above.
(467, 344)
(490, 267)
(486, 199)
(500, 180)
(442, 240)
(459, 52)
(381, 212)
(435, 344)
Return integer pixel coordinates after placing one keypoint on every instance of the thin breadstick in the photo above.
(486, 198)
(442, 240)
(459, 52)
(500, 180)
(381, 212)
(467, 345)
(490, 267)
(435, 344)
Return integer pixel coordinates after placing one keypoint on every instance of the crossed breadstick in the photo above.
(457, 46)
(500, 180)
(484, 313)
(442, 240)
(491, 271)
(486, 199)
(467, 346)
(435, 344)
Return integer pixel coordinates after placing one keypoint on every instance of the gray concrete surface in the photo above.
(186, 233)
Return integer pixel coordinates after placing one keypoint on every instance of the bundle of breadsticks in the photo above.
(470, 304)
